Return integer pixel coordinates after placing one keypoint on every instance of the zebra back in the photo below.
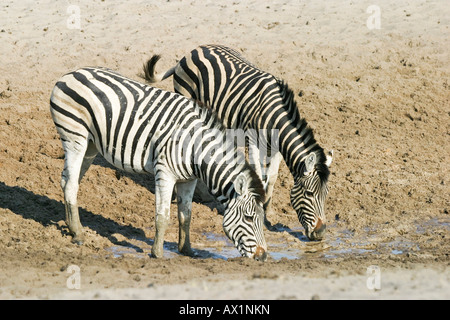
(131, 124)
(244, 96)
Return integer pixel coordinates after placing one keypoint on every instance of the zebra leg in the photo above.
(74, 158)
(254, 158)
(89, 157)
(163, 196)
(272, 175)
(185, 193)
(202, 194)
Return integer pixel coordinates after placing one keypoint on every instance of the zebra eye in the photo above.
(309, 193)
(248, 219)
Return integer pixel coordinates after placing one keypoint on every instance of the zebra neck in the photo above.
(295, 145)
(285, 127)
(220, 178)
(296, 140)
(218, 169)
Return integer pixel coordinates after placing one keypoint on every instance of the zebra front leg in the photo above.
(254, 158)
(185, 193)
(269, 183)
(163, 196)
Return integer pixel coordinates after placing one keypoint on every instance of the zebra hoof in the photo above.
(77, 240)
(156, 254)
(187, 252)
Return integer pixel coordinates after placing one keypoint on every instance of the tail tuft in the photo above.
(149, 70)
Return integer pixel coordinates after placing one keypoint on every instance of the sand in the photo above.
(375, 91)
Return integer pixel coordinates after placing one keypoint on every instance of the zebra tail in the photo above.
(149, 71)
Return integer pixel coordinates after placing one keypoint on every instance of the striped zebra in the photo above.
(246, 97)
(141, 129)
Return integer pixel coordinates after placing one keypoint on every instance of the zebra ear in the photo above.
(310, 162)
(241, 183)
(329, 158)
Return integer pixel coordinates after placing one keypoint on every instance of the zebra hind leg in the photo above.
(89, 157)
(185, 193)
(74, 160)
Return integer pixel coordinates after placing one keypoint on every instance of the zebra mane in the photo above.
(208, 113)
(321, 168)
(256, 187)
(294, 114)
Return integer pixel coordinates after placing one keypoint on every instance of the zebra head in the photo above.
(244, 216)
(309, 194)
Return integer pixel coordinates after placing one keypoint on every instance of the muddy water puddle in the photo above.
(224, 249)
(290, 243)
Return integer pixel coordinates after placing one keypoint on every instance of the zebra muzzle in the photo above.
(260, 254)
(319, 230)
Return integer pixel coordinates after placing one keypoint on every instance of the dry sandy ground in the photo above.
(420, 284)
(378, 97)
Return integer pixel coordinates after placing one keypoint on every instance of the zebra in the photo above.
(141, 129)
(246, 97)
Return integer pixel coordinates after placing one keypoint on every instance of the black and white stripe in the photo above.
(142, 129)
(246, 97)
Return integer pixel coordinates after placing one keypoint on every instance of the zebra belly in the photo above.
(133, 157)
